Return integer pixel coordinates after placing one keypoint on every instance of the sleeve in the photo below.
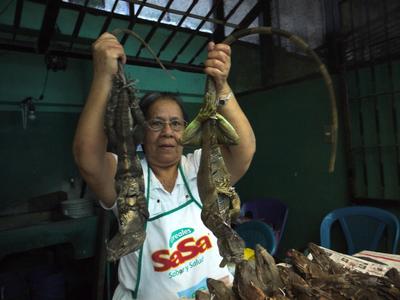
(193, 160)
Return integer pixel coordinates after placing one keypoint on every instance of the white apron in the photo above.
(178, 255)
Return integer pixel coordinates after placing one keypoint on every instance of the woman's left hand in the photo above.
(218, 64)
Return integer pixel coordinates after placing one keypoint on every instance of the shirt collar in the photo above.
(156, 184)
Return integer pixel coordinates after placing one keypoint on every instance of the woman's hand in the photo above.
(218, 64)
(106, 52)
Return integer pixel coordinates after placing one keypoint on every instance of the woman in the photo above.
(179, 252)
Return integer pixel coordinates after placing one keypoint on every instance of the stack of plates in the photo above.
(77, 208)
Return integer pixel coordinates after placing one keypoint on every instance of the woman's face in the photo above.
(161, 147)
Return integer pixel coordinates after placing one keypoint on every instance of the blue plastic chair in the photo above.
(270, 211)
(363, 228)
(257, 232)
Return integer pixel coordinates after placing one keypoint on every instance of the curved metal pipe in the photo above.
(322, 68)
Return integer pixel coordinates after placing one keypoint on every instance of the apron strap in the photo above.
(187, 187)
(136, 290)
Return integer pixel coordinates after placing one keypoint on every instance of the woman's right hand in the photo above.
(106, 52)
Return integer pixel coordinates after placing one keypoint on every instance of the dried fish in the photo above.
(305, 267)
(295, 286)
(267, 272)
(394, 275)
(246, 283)
(322, 259)
(219, 291)
(201, 295)
(124, 127)
(213, 179)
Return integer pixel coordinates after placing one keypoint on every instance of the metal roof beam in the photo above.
(97, 12)
(251, 16)
(17, 16)
(30, 48)
(109, 18)
(266, 43)
(48, 25)
(154, 28)
(132, 21)
(182, 13)
(78, 25)
(222, 34)
(173, 33)
(193, 34)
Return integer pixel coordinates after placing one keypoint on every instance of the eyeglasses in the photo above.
(159, 124)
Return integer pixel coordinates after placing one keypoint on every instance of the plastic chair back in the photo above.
(257, 232)
(270, 211)
(364, 228)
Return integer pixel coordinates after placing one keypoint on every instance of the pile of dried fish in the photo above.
(320, 278)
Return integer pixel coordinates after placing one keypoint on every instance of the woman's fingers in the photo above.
(106, 52)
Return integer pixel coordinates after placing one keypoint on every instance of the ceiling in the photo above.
(68, 28)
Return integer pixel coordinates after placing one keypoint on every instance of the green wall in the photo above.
(291, 160)
(37, 160)
(374, 117)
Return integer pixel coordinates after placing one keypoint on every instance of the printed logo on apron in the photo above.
(185, 250)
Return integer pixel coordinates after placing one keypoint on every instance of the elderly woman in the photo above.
(179, 252)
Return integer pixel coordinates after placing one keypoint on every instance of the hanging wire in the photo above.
(27, 105)
(44, 86)
(23, 115)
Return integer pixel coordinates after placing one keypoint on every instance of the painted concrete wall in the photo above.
(291, 161)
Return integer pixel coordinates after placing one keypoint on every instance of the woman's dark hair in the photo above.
(150, 98)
